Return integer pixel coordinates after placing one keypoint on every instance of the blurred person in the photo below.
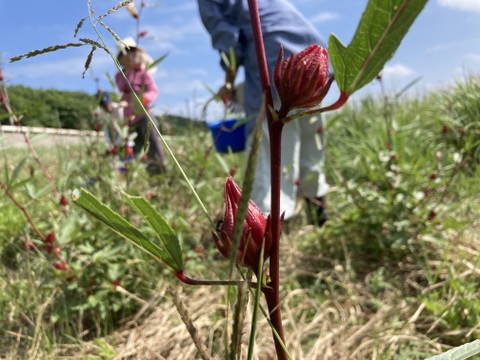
(111, 117)
(228, 23)
(135, 64)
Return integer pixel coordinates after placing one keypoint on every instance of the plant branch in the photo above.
(30, 146)
(189, 281)
(275, 132)
(23, 210)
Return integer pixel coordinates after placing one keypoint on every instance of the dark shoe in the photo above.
(316, 211)
(155, 168)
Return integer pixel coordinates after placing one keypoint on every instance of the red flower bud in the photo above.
(60, 265)
(128, 150)
(63, 201)
(302, 80)
(50, 238)
(254, 232)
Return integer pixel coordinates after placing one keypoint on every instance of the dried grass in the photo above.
(347, 321)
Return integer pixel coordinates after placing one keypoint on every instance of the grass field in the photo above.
(394, 274)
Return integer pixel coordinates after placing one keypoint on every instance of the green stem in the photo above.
(189, 281)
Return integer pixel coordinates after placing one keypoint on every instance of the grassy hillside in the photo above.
(394, 274)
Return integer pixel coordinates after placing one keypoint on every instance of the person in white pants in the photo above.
(302, 169)
(228, 23)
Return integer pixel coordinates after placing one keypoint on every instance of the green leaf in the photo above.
(122, 227)
(163, 230)
(381, 29)
(158, 61)
(10, 179)
(460, 353)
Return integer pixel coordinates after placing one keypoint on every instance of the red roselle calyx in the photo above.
(50, 238)
(302, 80)
(254, 232)
(63, 201)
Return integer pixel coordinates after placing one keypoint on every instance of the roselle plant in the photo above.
(246, 236)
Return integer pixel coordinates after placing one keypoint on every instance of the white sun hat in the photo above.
(129, 43)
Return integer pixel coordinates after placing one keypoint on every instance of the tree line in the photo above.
(72, 110)
(50, 107)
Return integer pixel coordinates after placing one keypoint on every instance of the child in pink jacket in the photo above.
(132, 59)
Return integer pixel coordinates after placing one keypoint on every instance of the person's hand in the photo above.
(145, 101)
(123, 103)
(225, 93)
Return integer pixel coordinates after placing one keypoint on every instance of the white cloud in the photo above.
(324, 16)
(396, 71)
(438, 48)
(465, 5)
(470, 66)
(45, 68)
(173, 37)
(472, 57)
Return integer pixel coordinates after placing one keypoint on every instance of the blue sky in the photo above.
(442, 46)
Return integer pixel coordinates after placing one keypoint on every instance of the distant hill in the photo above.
(179, 125)
(50, 107)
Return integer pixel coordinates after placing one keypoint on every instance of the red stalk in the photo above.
(272, 294)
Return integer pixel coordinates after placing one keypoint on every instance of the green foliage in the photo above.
(87, 300)
(461, 126)
(51, 108)
(400, 187)
(381, 29)
(396, 169)
(170, 254)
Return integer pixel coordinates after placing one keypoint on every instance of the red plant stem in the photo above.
(30, 146)
(32, 223)
(272, 294)
(22, 208)
(342, 99)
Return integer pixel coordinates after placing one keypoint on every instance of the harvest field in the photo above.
(394, 274)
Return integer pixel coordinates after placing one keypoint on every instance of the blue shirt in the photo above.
(228, 22)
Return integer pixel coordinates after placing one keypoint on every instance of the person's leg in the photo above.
(156, 163)
(139, 142)
(290, 171)
(156, 158)
(312, 185)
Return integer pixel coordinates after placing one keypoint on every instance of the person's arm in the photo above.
(226, 91)
(225, 38)
(121, 83)
(150, 89)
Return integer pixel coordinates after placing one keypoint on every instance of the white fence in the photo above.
(14, 136)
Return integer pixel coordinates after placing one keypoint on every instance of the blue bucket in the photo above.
(226, 137)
